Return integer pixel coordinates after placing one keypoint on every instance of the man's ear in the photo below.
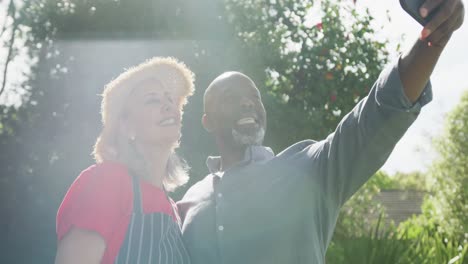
(206, 123)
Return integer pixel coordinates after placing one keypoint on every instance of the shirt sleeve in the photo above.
(365, 137)
(93, 202)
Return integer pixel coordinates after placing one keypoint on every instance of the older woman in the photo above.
(117, 211)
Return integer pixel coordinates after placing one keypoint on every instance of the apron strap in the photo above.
(137, 198)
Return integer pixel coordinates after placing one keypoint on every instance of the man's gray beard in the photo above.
(243, 139)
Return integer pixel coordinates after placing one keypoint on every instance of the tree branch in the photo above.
(11, 6)
(10, 47)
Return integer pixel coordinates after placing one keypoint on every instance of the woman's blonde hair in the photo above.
(111, 145)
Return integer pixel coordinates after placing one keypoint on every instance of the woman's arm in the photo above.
(80, 246)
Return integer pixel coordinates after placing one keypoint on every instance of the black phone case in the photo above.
(412, 8)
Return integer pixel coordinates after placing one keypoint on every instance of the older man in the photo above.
(258, 207)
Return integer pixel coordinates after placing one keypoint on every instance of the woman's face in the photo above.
(154, 113)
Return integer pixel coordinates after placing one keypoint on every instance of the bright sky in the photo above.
(414, 151)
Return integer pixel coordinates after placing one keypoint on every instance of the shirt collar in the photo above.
(252, 154)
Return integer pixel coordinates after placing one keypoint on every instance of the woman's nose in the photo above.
(168, 103)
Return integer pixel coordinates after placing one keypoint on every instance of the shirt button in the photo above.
(220, 228)
(220, 195)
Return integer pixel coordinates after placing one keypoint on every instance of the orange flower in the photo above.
(328, 76)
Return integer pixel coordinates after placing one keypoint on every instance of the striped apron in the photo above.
(151, 238)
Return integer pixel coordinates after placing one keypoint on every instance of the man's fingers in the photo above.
(449, 26)
(445, 30)
(443, 14)
(429, 6)
(441, 34)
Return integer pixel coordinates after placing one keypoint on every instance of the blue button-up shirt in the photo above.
(283, 208)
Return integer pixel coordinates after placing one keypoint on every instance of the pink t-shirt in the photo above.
(101, 200)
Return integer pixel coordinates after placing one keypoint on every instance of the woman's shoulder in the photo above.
(106, 168)
(103, 173)
(106, 182)
(97, 198)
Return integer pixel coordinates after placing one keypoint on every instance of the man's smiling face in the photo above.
(234, 110)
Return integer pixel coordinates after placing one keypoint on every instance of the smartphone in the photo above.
(412, 8)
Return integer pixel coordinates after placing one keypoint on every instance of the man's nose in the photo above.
(247, 103)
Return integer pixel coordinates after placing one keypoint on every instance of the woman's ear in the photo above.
(125, 129)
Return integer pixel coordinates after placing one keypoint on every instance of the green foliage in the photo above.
(161, 19)
(401, 181)
(450, 175)
(383, 181)
(379, 244)
(383, 244)
(430, 244)
(411, 181)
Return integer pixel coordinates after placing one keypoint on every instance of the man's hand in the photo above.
(448, 18)
(417, 64)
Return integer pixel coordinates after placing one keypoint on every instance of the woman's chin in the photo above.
(169, 141)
